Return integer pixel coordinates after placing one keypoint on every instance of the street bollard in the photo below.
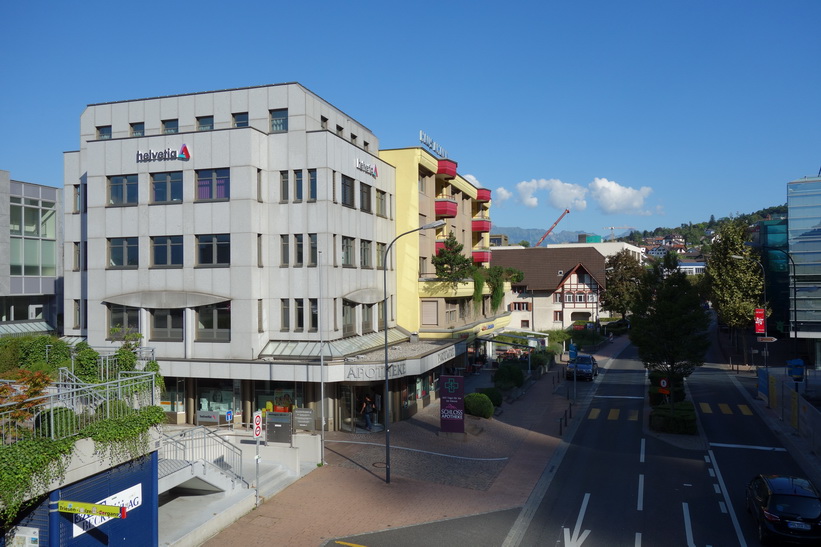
(570, 408)
(560, 427)
(565, 418)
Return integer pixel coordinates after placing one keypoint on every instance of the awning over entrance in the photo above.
(334, 349)
(25, 328)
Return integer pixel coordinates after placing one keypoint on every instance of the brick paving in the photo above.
(493, 467)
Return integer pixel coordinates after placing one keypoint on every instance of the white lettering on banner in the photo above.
(369, 168)
(434, 146)
(452, 414)
(364, 373)
(130, 498)
(446, 354)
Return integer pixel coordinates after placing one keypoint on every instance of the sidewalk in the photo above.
(495, 466)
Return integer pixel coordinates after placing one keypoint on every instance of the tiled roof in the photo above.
(541, 265)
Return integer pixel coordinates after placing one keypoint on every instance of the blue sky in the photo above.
(631, 113)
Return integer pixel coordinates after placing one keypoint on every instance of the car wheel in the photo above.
(763, 538)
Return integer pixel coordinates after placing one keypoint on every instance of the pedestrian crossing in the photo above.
(632, 415)
(613, 414)
(724, 408)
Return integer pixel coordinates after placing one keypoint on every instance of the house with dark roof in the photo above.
(559, 286)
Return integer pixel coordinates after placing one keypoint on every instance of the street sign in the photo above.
(765, 339)
(96, 509)
(229, 416)
(257, 424)
(664, 386)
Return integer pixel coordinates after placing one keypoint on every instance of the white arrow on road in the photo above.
(576, 540)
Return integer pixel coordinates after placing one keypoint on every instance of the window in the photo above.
(214, 250)
(167, 325)
(170, 127)
(123, 252)
(348, 318)
(380, 310)
(312, 185)
(284, 250)
(347, 191)
(451, 311)
(557, 316)
(365, 254)
(214, 323)
(76, 198)
(313, 257)
(104, 132)
(365, 197)
(76, 254)
(213, 184)
(166, 187)
(285, 314)
(205, 123)
(380, 255)
(591, 297)
(240, 119)
(260, 262)
(525, 324)
(557, 297)
(166, 251)
(421, 182)
(353, 139)
(366, 145)
(313, 306)
(347, 251)
(298, 250)
(260, 316)
(259, 185)
(382, 203)
(137, 129)
(283, 186)
(122, 190)
(77, 317)
(124, 318)
(279, 120)
(580, 297)
(340, 131)
(323, 122)
(367, 318)
(568, 297)
(299, 315)
(298, 185)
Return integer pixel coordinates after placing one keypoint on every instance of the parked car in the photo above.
(583, 367)
(785, 508)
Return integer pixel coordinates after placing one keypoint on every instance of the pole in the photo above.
(321, 364)
(256, 480)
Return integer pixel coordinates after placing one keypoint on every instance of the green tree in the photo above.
(451, 265)
(623, 273)
(668, 325)
(524, 243)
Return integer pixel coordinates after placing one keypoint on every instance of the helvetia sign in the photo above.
(164, 155)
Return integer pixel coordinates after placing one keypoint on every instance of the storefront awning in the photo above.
(333, 349)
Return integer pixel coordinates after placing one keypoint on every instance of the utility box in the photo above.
(278, 427)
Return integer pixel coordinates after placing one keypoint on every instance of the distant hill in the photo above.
(532, 235)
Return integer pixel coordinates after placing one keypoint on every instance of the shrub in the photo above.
(541, 359)
(493, 394)
(509, 376)
(478, 404)
(682, 419)
(113, 409)
(64, 420)
(9, 354)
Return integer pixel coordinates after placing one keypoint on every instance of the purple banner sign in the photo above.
(452, 404)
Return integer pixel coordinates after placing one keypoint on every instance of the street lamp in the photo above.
(794, 328)
(387, 399)
(764, 284)
(321, 362)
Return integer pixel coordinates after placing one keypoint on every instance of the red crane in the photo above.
(547, 233)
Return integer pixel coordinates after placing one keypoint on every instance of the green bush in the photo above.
(657, 398)
(87, 363)
(493, 394)
(682, 419)
(9, 354)
(509, 376)
(63, 419)
(541, 359)
(113, 409)
(478, 404)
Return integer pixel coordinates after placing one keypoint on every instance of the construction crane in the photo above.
(547, 233)
(614, 228)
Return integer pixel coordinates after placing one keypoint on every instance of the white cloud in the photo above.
(501, 195)
(614, 198)
(561, 195)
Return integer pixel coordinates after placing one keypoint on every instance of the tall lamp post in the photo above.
(764, 283)
(321, 363)
(387, 399)
(794, 328)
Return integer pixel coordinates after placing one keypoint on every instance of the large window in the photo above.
(205, 123)
(365, 260)
(312, 185)
(284, 250)
(285, 314)
(213, 184)
(122, 190)
(365, 197)
(348, 251)
(299, 251)
(279, 120)
(167, 325)
(347, 191)
(283, 186)
(166, 187)
(348, 318)
(214, 323)
(124, 318)
(166, 251)
(123, 252)
(33, 245)
(240, 119)
(214, 250)
(382, 203)
(313, 256)
(170, 127)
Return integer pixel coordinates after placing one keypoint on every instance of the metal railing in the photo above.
(203, 444)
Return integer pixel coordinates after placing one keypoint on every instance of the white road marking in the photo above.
(750, 447)
(641, 452)
(716, 488)
(741, 541)
(640, 504)
(638, 539)
(688, 530)
(723, 507)
(576, 540)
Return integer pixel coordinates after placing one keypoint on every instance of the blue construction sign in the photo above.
(795, 368)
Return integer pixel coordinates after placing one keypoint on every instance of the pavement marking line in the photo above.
(745, 410)
(637, 543)
(424, 451)
(750, 447)
(617, 397)
(705, 408)
(741, 541)
(349, 544)
(640, 503)
(688, 529)
(576, 540)
(613, 414)
(633, 416)
(641, 452)
(725, 408)
(594, 413)
(716, 488)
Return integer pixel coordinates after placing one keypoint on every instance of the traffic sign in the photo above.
(765, 339)
(257, 424)
(229, 416)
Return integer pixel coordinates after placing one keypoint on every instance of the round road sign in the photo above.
(664, 383)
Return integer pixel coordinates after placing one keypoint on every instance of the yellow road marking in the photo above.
(745, 410)
(594, 413)
(705, 408)
(613, 414)
(725, 408)
(634, 416)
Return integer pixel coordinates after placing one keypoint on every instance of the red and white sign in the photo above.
(759, 321)
(257, 424)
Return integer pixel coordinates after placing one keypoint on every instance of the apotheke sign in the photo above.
(164, 155)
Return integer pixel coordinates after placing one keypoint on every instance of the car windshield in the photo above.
(797, 506)
(584, 360)
(584, 366)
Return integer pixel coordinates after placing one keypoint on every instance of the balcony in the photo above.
(447, 168)
(481, 256)
(439, 246)
(481, 225)
(446, 207)
(483, 195)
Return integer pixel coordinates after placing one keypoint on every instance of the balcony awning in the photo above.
(354, 345)
(23, 328)
(165, 300)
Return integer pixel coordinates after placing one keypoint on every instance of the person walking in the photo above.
(367, 410)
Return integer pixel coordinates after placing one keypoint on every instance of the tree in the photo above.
(623, 272)
(669, 325)
(524, 243)
(451, 265)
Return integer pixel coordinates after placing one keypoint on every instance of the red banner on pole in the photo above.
(759, 321)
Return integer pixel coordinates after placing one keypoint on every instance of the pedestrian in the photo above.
(367, 410)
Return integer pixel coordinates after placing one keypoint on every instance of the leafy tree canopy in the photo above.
(623, 273)
(451, 265)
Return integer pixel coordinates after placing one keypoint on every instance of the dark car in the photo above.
(786, 509)
(583, 367)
